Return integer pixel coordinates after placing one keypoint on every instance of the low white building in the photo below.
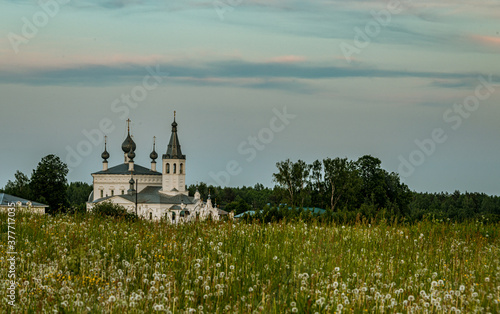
(8, 201)
(155, 195)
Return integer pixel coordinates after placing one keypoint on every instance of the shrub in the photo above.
(112, 210)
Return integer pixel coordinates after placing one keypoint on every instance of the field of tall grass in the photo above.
(85, 264)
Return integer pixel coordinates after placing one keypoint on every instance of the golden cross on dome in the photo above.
(128, 125)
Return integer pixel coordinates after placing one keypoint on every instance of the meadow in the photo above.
(86, 264)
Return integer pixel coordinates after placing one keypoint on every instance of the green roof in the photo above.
(315, 210)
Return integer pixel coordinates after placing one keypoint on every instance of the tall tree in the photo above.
(20, 187)
(398, 193)
(293, 177)
(342, 180)
(48, 182)
(374, 184)
(317, 184)
(300, 175)
(284, 177)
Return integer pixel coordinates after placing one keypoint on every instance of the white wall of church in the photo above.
(116, 184)
(32, 209)
(156, 212)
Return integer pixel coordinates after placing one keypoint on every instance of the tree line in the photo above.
(341, 184)
(346, 189)
(48, 185)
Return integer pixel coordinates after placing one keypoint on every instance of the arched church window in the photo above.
(173, 216)
(150, 216)
(180, 168)
(175, 168)
(168, 168)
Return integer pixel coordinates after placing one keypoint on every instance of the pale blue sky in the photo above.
(224, 76)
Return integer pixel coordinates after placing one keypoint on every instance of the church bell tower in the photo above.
(174, 166)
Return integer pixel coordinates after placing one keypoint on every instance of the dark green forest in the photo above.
(347, 190)
(48, 185)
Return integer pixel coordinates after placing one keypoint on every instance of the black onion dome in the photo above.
(128, 144)
(131, 181)
(105, 155)
(153, 155)
(131, 155)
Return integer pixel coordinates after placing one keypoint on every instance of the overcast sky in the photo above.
(414, 83)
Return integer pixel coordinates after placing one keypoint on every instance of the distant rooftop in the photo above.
(248, 212)
(152, 195)
(222, 212)
(123, 169)
(314, 210)
(6, 199)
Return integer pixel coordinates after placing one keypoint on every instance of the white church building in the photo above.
(151, 194)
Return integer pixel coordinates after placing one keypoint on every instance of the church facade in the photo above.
(152, 194)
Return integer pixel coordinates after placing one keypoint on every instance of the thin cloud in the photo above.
(220, 72)
(287, 59)
(486, 40)
(295, 86)
(465, 83)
